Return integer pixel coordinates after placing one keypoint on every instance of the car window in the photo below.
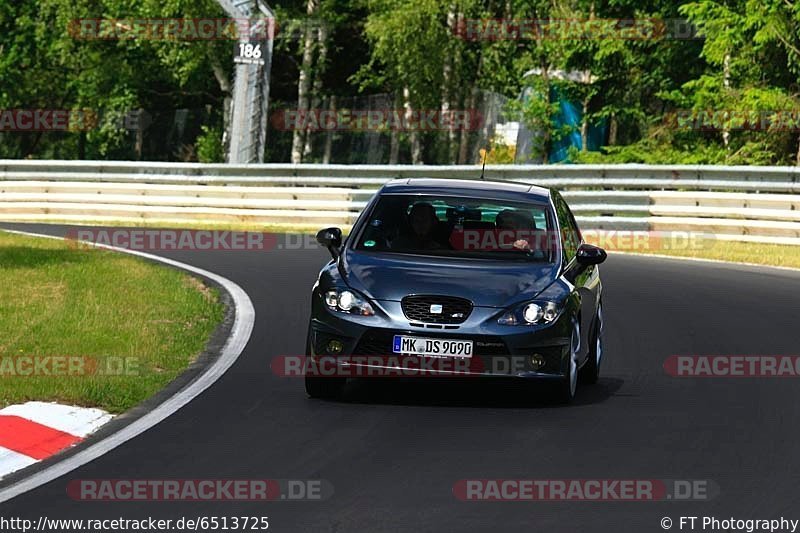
(459, 226)
(570, 234)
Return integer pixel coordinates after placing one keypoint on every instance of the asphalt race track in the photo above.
(393, 449)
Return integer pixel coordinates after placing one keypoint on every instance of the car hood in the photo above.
(486, 283)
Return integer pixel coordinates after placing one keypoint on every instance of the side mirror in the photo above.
(331, 238)
(590, 255)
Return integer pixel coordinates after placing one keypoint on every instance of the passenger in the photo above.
(511, 220)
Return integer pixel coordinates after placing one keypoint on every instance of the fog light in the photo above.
(334, 347)
(537, 361)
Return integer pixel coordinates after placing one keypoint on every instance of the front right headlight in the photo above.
(538, 312)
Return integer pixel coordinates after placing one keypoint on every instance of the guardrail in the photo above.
(739, 203)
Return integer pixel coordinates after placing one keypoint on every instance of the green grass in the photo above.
(739, 252)
(61, 300)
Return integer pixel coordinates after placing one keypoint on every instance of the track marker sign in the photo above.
(249, 53)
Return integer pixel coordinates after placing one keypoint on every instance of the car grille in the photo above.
(454, 310)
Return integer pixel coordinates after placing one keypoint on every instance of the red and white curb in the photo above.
(34, 431)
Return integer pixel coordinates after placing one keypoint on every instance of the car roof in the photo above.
(499, 190)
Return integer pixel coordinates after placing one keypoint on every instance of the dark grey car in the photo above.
(467, 278)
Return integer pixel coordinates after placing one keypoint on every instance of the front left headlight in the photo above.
(347, 301)
(531, 313)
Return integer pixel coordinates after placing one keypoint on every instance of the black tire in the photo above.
(323, 387)
(567, 386)
(308, 353)
(590, 373)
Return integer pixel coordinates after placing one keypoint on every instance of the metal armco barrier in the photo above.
(759, 204)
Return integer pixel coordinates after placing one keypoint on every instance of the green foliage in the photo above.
(652, 153)
(46, 64)
(408, 39)
(209, 146)
(727, 96)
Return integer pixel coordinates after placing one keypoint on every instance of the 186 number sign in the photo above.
(248, 53)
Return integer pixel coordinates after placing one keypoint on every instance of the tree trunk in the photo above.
(585, 126)
(319, 70)
(139, 147)
(463, 147)
(448, 89)
(612, 130)
(326, 157)
(416, 146)
(460, 94)
(394, 138)
(726, 82)
(303, 84)
(547, 125)
(471, 104)
(82, 145)
(489, 120)
(797, 158)
(224, 86)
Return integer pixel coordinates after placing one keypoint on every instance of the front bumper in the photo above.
(499, 351)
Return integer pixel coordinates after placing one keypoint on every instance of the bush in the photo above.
(209, 145)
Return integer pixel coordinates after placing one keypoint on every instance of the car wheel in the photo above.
(590, 373)
(569, 384)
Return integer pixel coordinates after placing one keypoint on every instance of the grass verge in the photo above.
(95, 328)
(737, 252)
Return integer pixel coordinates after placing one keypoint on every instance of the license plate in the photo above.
(431, 347)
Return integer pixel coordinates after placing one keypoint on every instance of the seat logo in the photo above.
(436, 309)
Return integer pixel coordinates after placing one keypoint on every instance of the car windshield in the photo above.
(460, 227)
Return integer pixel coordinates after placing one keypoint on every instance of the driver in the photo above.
(422, 220)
